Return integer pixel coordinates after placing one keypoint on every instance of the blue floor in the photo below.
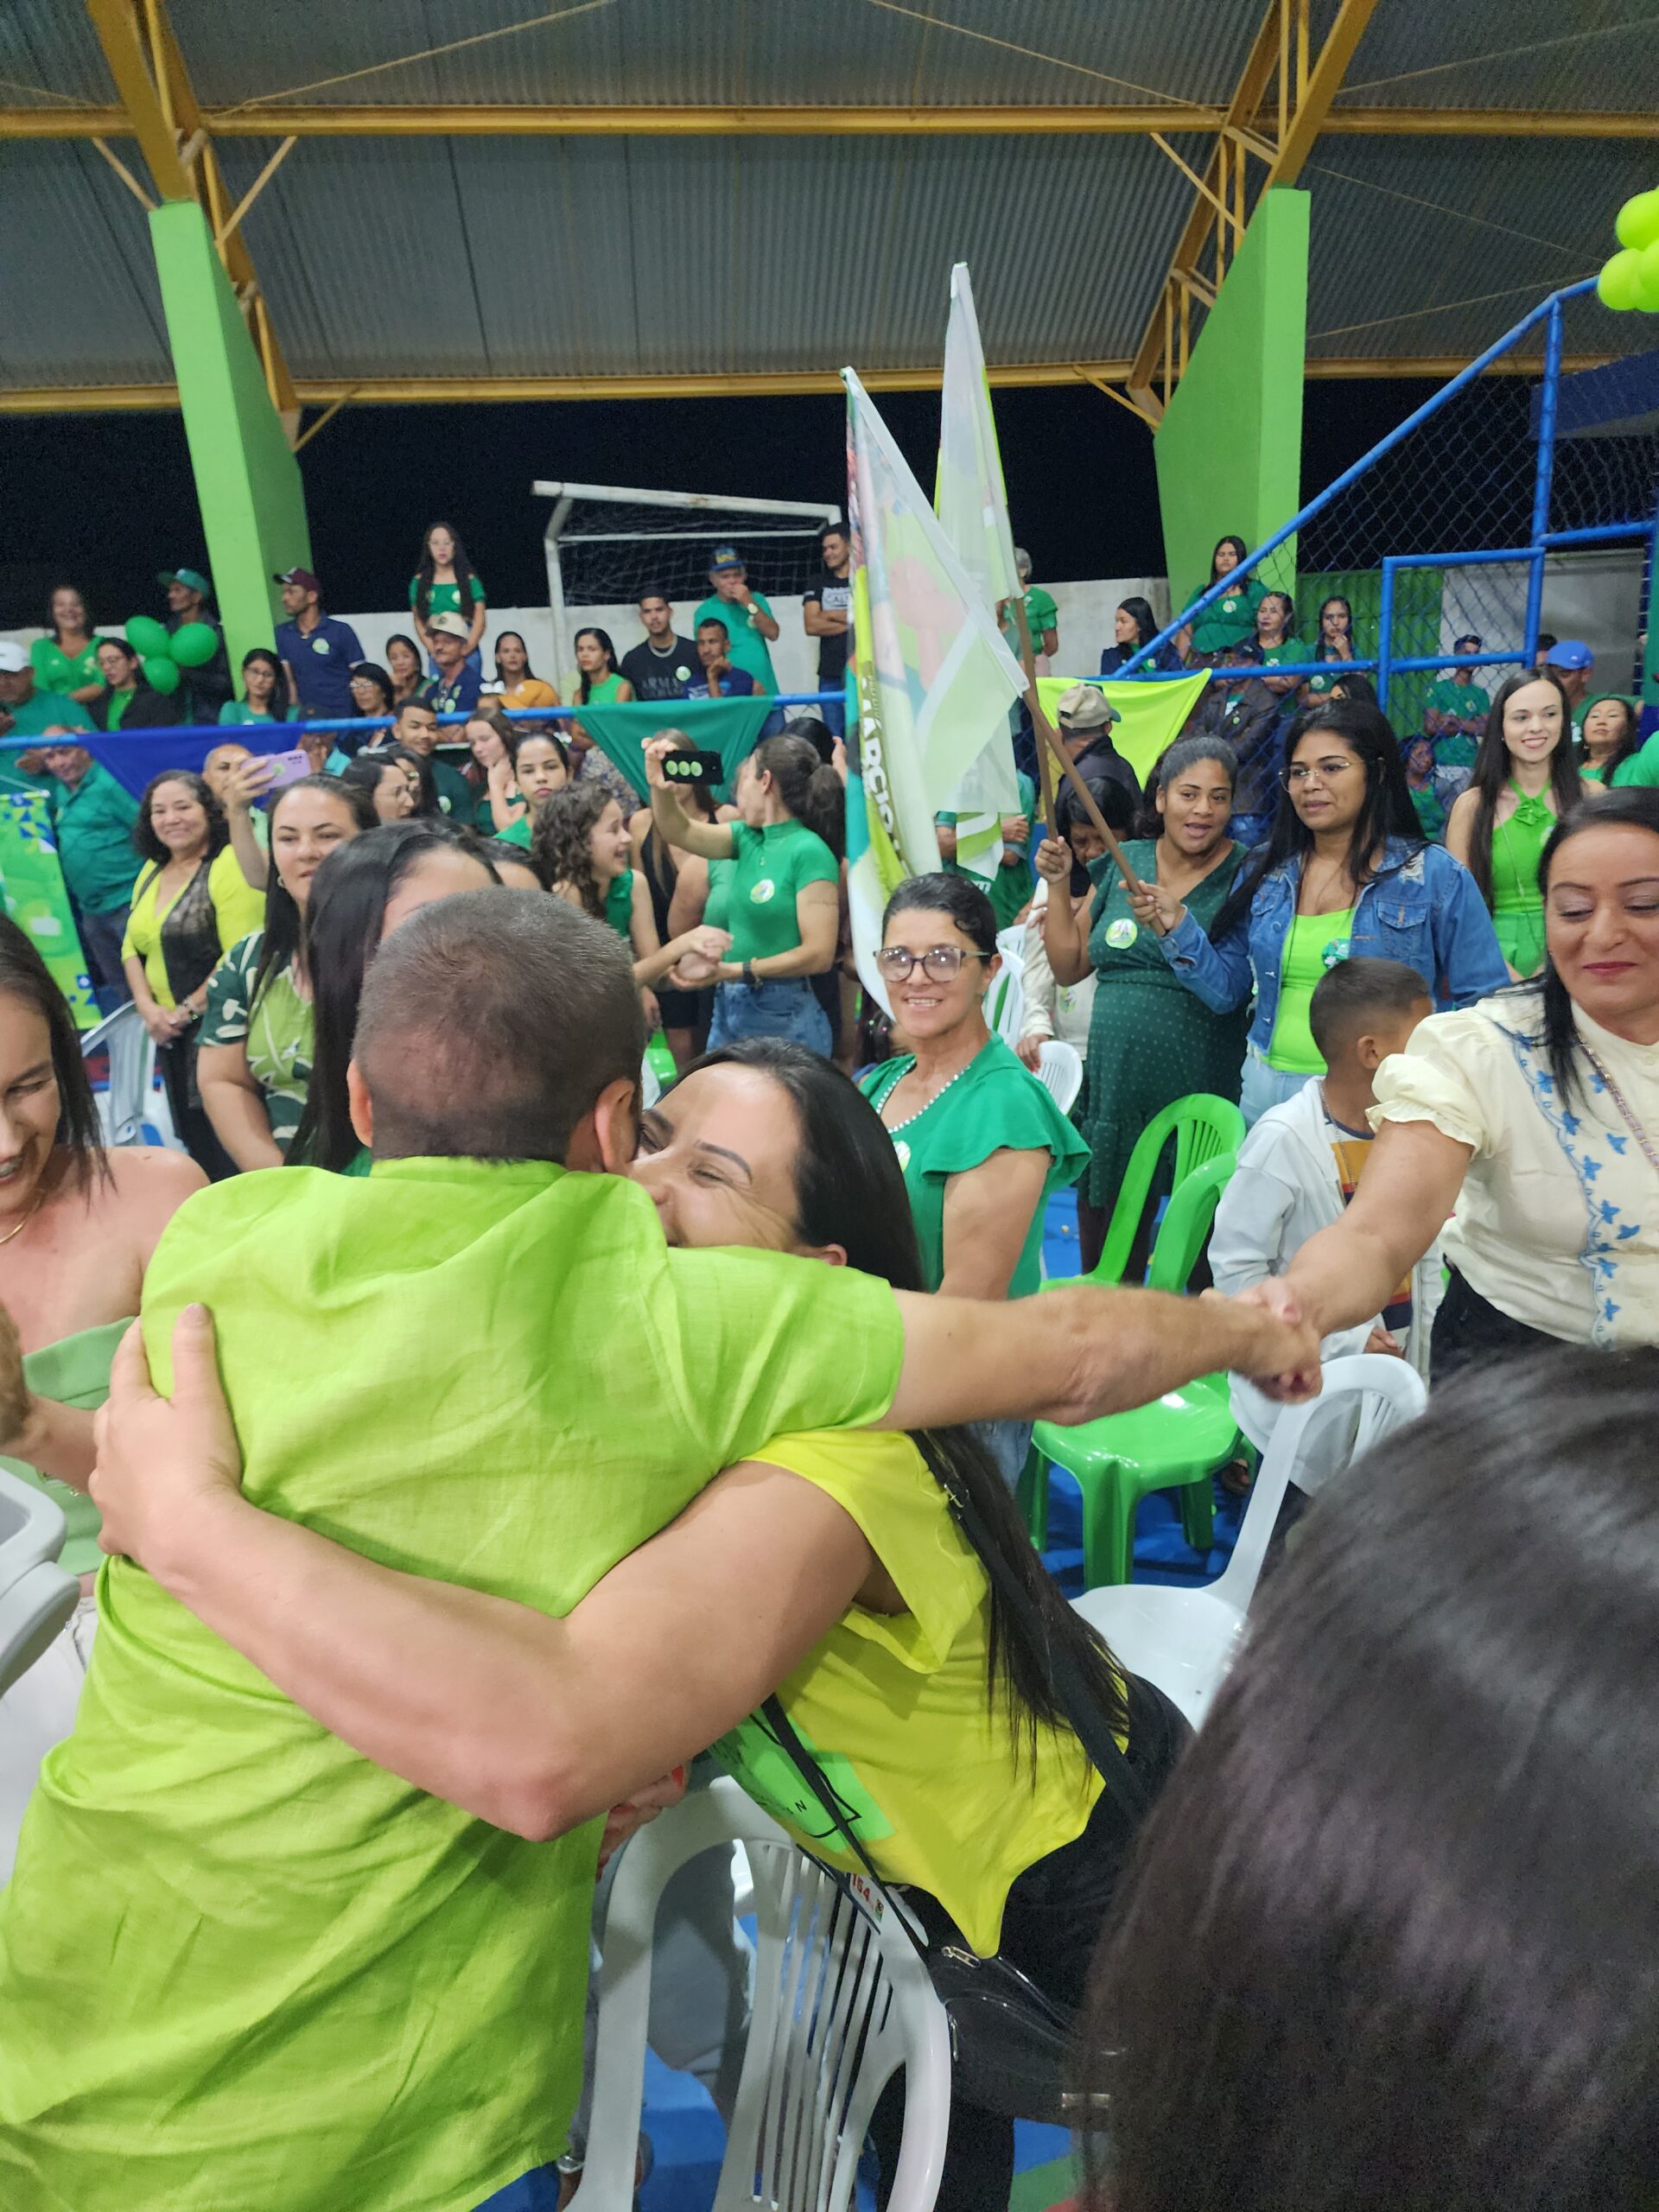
(686, 2134)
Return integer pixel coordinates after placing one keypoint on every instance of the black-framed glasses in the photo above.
(942, 962)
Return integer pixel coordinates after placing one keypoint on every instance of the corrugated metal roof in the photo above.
(1560, 54)
(77, 276)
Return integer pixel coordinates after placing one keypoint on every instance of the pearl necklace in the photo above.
(893, 1127)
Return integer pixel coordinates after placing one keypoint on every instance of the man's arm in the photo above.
(761, 616)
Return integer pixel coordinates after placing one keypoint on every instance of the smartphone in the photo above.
(694, 768)
(286, 768)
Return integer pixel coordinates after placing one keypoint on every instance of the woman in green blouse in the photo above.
(1230, 619)
(66, 659)
(1525, 779)
(264, 692)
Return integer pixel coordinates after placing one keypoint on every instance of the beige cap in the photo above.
(1083, 707)
(451, 624)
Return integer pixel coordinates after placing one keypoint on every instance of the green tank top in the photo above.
(1313, 942)
(75, 1371)
(1517, 847)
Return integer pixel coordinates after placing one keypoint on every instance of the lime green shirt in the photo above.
(75, 1371)
(894, 1707)
(1314, 942)
(240, 1966)
(993, 1105)
(773, 867)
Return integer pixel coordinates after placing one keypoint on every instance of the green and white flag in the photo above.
(934, 678)
(971, 502)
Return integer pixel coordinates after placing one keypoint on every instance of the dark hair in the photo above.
(489, 1024)
(1548, 641)
(403, 638)
(833, 529)
(280, 695)
(427, 807)
(653, 591)
(1139, 612)
(281, 939)
(584, 687)
(815, 730)
(51, 627)
(24, 975)
(848, 1191)
(121, 646)
(1186, 753)
(1286, 602)
(1356, 685)
(1629, 744)
(466, 590)
(371, 672)
(713, 622)
(956, 897)
(1356, 991)
(1335, 599)
(364, 770)
(149, 846)
(1389, 1935)
(501, 852)
(1387, 810)
(558, 841)
(1492, 770)
(808, 790)
(1239, 546)
(1636, 807)
(529, 670)
(521, 732)
(344, 917)
(1109, 795)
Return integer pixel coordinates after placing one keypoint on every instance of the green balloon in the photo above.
(146, 635)
(1647, 279)
(1638, 223)
(1619, 284)
(193, 644)
(161, 673)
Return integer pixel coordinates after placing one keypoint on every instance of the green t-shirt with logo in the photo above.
(773, 866)
(1042, 614)
(445, 599)
(1463, 702)
(1229, 620)
(240, 1965)
(57, 670)
(894, 1707)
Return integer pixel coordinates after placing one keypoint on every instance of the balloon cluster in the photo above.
(1630, 279)
(165, 655)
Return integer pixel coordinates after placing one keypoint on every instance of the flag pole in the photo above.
(1048, 742)
(1038, 723)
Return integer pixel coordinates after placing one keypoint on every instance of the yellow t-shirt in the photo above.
(895, 1708)
(238, 909)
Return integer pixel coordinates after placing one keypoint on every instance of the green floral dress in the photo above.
(276, 1034)
(1151, 1041)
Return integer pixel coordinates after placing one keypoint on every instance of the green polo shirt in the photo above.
(240, 1965)
(45, 710)
(749, 650)
(773, 865)
(93, 826)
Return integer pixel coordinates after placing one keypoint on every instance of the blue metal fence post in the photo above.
(1548, 401)
(1385, 634)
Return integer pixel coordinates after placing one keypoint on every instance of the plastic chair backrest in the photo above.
(840, 2005)
(1368, 1393)
(651, 1088)
(1006, 1006)
(1186, 1222)
(1059, 1069)
(1203, 1127)
(131, 1052)
(36, 1596)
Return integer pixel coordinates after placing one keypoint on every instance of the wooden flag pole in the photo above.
(1048, 742)
(1027, 661)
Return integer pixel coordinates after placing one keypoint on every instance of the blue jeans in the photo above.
(787, 1009)
(1264, 1086)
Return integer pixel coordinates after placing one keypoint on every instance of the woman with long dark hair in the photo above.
(1230, 619)
(358, 898)
(66, 659)
(1134, 626)
(1525, 779)
(190, 905)
(541, 766)
(1611, 734)
(520, 685)
(416, 770)
(1344, 870)
(903, 1669)
(255, 1047)
(404, 665)
(1534, 1114)
(783, 898)
(383, 783)
(445, 584)
(264, 692)
(1441, 1741)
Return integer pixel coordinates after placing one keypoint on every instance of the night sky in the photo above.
(106, 500)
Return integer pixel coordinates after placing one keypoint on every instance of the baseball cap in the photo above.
(1570, 652)
(193, 577)
(13, 659)
(302, 576)
(1083, 707)
(726, 557)
(451, 624)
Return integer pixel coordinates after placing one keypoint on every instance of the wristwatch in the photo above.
(749, 975)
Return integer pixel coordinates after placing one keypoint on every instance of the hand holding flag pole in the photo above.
(1048, 743)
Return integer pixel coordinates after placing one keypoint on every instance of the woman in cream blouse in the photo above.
(1537, 1115)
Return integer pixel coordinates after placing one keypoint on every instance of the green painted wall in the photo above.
(1229, 449)
(247, 479)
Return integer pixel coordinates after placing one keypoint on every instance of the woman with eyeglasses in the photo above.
(980, 1142)
(1344, 871)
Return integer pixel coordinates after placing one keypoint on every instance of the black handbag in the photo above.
(1010, 2043)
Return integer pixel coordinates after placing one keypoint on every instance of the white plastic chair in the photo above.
(1184, 1641)
(840, 2004)
(1059, 1069)
(36, 1596)
(1005, 1008)
(651, 1088)
(123, 1108)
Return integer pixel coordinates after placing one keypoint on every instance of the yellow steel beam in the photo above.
(279, 121)
(146, 117)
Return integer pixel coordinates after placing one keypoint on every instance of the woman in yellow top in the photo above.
(520, 685)
(190, 905)
(863, 1608)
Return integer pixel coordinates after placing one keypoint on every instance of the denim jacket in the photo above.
(1420, 907)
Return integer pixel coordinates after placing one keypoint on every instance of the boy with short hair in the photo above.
(1301, 1162)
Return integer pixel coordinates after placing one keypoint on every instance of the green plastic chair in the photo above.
(1176, 1443)
(1203, 1126)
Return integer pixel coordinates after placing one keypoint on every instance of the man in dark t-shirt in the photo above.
(663, 666)
(827, 615)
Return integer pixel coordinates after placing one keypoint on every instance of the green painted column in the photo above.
(247, 479)
(1229, 450)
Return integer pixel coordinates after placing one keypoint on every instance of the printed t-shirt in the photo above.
(1312, 944)
(445, 599)
(239, 1964)
(1230, 619)
(894, 1707)
(834, 595)
(57, 670)
(749, 650)
(984, 1110)
(45, 710)
(93, 826)
(322, 660)
(661, 675)
(74, 1371)
(276, 1034)
(1041, 614)
(238, 910)
(456, 694)
(773, 866)
(1291, 652)
(1462, 701)
(1349, 1150)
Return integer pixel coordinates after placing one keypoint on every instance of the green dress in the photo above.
(1151, 1041)
(1517, 905)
